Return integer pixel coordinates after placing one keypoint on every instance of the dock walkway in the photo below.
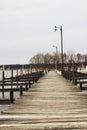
(53, 103)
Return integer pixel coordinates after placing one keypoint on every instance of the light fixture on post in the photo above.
(55, 29)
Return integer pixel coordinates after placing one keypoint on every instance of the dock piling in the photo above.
(21, 90)
(11, 97)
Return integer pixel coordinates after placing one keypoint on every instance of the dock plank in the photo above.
(51, 103)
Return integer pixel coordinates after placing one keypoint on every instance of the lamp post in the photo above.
(56, 27)
(56, 55)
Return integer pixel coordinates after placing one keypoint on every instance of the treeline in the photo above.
(49, 58)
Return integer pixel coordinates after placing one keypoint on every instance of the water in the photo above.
(6, 96)
(7, 74)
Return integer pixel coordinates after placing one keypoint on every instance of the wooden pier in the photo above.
(53, 103)
(17, 83)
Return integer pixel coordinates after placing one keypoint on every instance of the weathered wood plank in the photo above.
(52, 103)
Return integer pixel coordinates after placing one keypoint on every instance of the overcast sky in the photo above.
(27, 28)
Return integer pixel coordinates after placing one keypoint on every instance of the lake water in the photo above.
(7, 74)
(6, 96)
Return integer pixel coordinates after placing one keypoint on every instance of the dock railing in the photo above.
(17, 83)
(76, 78)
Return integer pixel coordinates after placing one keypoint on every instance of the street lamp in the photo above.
(56, 55)
(60, 27)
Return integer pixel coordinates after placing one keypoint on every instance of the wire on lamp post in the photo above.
(56, 55)
(55, 29)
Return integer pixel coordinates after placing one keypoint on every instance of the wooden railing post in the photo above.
(75, 81)
(29, 84)
(11, 97)
(12, 78)
(21, 90)
(26, 86)
(3, 81)
(81, 86)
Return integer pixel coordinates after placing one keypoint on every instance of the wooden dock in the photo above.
(53, 103)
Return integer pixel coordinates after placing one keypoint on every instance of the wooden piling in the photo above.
(3, 82)
(12, 78)
(21, 90)
(81, 86)
(11, 97)
(26, 86)
(29, 84)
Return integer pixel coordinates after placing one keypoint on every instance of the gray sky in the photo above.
(27, 28)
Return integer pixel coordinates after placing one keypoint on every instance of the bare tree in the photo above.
(79, 57)
(47, 58)
(37, 59)
(71, 56)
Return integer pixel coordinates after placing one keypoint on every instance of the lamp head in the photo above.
(55, 28)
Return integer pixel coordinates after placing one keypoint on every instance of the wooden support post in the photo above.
(21, 90)
(11, 78)
(3, 82)
(81, 86)
(31, 69)
(28, 70)
(17, 77)
(11, 97)
(22, 70)
(33, 80)
(75, 81)
(29, 84)
(26, 86)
